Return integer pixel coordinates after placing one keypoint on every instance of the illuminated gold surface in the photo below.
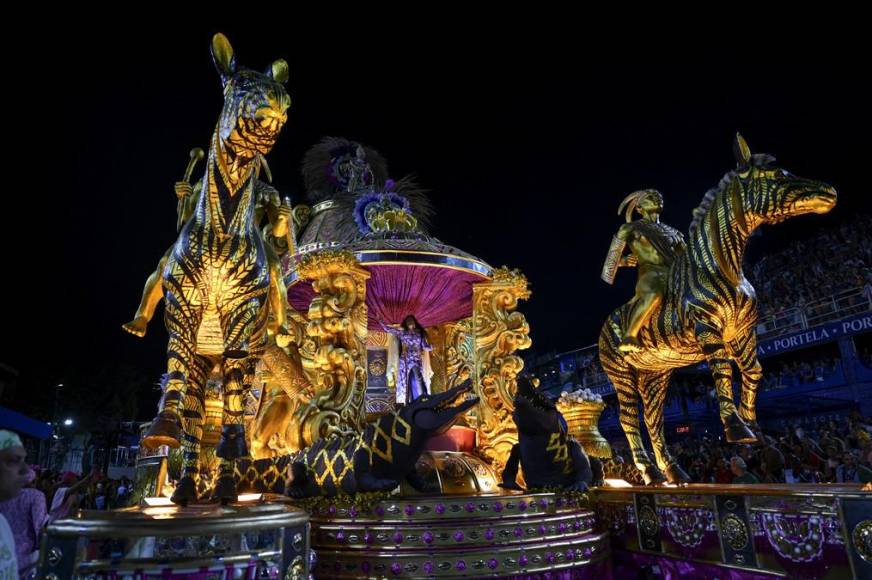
(499, 331)
(436, 337)
(455, 473)
(653, 247)
(701, 307)
(274, 431)
(218, 274)
(582, 420)
(202, 519)
(458, 535)
(334, 350)
(459, 356)
(276, 231)
(387, 217)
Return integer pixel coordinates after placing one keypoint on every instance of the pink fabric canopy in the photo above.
(434, 295)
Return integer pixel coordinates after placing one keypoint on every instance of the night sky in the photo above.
(528, 146)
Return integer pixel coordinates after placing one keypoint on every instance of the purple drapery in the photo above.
(433, 295)
(629, 564)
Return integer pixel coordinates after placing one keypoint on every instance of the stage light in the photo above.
(158, 502)
(68, 422)
(617, 483)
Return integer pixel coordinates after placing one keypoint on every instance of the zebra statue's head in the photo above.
(255, 103)
(771, 194)
(757, 192)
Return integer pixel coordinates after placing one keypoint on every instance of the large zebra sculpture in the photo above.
(709, 309)
(217, 277)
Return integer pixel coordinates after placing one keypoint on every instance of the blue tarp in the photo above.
(23, 424)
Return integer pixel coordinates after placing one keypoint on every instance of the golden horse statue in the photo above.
(709, 309)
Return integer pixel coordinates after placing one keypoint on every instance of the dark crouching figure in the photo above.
(380, 457)
(550, 457)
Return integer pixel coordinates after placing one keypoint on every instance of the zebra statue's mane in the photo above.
(757, 160)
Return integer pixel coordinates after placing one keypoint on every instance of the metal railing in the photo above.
(841, 305)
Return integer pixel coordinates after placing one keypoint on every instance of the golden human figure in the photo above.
(653, 247)
(267, 202)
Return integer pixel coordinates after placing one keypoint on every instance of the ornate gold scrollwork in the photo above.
(498, 331)
(333, 352)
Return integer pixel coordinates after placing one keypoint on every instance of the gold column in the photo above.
(334, 349)
(498, 331)
(459, 352)
(436, 335)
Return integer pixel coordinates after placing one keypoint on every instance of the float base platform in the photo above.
(739, 531)
(520, 535)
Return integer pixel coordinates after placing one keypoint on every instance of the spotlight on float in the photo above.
(68, 422)
(617, 483)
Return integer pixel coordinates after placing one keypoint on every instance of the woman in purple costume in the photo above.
(413, 346)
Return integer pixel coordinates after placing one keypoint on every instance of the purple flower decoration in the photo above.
(396, 568)
(398, 538)
(543, 503)
(576, 525)
(352, 511)
(559, 502)
(440, 508)
(522, 505)
(519, 532)
(340, 536)
(587, 552)
(429, 567)
(470, 507)
(367, 538)
(489, 534)
(458, 536)
(498, 506)
(542, 529)
(409, 510)
(549, 557)
(427, 537)
(522, 561)
(570, 554)
(492, 563)
(331, 510)
(461, 565)
(562, 527)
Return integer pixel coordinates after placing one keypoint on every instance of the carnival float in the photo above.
(303, 433)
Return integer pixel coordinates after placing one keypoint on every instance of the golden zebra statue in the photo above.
(709, 309)
(217, 276)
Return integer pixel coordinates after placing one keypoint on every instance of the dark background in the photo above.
(528, 143)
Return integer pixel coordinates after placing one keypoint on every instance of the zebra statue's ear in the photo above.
(222, 55)
(279, 71)
(741, 151)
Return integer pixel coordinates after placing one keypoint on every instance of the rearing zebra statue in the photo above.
(708, 310)
(217, 276)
